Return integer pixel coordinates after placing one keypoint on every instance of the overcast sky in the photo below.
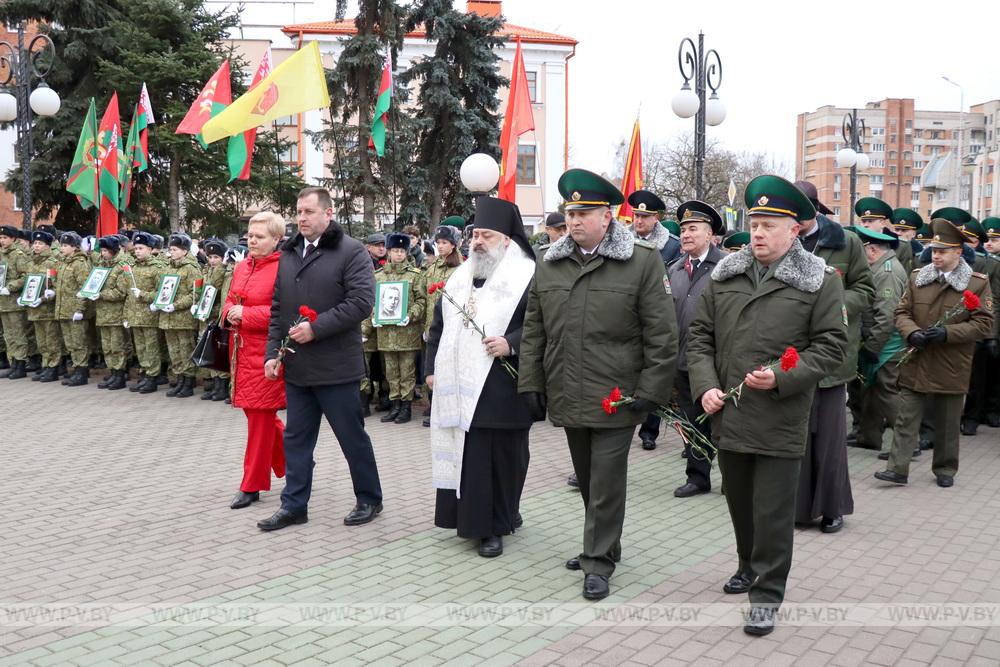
(779, 58)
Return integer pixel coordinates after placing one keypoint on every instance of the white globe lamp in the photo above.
(846, 158)
(8, 107)
(44, 101)
(479, 173)
(685, 102)
(715, 111)
(863, 162)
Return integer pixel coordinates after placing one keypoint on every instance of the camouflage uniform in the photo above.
(13, 316)
(43, 317)
(110, 312)
(143, 323)
(436, 272)
(72, 276)
(399, 344)
(220, 277)
(179, 326)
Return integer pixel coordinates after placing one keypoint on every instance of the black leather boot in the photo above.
(103, 384)
(404, 413)
(19, 371)
(4, 361)
(148, 385)
(80, 377)
(383, 402)
(222, 393)
(393, 412)
(50, 374)
(117, 381)
(210, 388)
(139, 382)
(34, 364)
(176, 389)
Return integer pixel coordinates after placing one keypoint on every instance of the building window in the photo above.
(892, 170)
(836, 195)
(526, 172)
(909, 124)
(287, 121)
(836, 181)
(892, 138)
(878, 148)
(290, 153)
(906, 171)
(892, 123)
(892, 155)
(918, 133)
(907, 155)
(908, 139)
(989, 189)
(532, 85)
(875, 179)
(17, 202)
(919, 164)
(916, 181)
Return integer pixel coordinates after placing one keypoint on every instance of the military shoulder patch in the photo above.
(645, 244)
(980, 275)
(843, 314)
(666, 285)
(887, 267)
(887, 292)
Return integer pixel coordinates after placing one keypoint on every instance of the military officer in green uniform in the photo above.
(399, 342)
(762, 300)
(881, 344)
(140, 283)
(14, 263)
(176, 322)
(906, 223)
(942, 360)
(596, 319)
(41, 312)
(992, 227)
(72, 310)
(447, 239)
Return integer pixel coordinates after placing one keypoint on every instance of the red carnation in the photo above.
(381, 262)
(789, 359)
(432, 288)
(607, 407)
(971, 300)
(308, 313)
(616, 395)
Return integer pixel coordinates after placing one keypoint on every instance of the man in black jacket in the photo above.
(331, 273)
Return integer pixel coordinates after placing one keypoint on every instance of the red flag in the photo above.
(215, 96)
(516, 121)
(250, 136)
(109, 145)
(632, 179)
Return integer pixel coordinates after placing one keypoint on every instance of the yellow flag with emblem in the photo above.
(294, 86)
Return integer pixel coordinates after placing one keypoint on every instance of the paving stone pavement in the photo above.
(121, 501)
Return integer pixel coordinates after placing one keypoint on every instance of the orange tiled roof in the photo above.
(346, 27)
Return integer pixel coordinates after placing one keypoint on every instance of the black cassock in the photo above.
(495, 461)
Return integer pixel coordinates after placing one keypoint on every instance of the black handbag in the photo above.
(212, 350)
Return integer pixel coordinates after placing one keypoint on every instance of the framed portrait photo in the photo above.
(95, 282)
(205, 303)
(3, 275)
(392, 301)
(31, 293)
(167, 290)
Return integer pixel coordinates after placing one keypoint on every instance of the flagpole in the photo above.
(395, 146)
(277, 150)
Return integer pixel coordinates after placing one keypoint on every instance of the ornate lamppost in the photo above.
(705, 68)
(853, 132)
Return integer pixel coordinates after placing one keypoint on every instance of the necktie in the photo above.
(691, 266)
(309, 250)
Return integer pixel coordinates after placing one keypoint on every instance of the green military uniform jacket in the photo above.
(435, 272)
(943, 368)
(40, 263)
(72, 276)
(110, 307)
(745, 321)
(392, 338)
(845, 253)
(596, 322)
(878, 322)
(18, 263)
(146, 274)
(189, 271)
(216, 277)
(990, 267)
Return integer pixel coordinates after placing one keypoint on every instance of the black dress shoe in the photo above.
(595, 587)
(945, 481)
(992, 419)
(831, 524)
(573, 564)
(243, 499)
(490, 547)
(915, 453)
(362, 514)
(738, 583)
(282, 519)
(684, 454)
(573, 481)
(891, 476)
(969, 427)
(518, 521)
(926, 444)
(884, 456)
(689, 490)
(648, 444)
(760, 621)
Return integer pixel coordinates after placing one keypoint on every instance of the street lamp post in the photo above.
(706, 70)
(18, 66)
(961, 134)
(853, 132)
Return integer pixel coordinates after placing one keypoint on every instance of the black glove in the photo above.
(536, 405)
(867, 356)
(917, 339)
(936, 334)
(992, 347)
(643, 406)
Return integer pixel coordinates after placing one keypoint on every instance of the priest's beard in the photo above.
(485, 261)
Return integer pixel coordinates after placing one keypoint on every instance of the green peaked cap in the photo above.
(906, 217)
(992, 226)
(582, 189)
(737, 240)
(671, 226)
(872, 207)
(953, 214)
(454, 221)
(773, 195)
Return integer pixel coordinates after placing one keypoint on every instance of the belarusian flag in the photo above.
(249, 138)
(382, 104)
(132, 146)
(213, 100)
(145, 119)
(82, 179)
(108, 142)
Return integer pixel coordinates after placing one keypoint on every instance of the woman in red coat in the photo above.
(248, 310)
